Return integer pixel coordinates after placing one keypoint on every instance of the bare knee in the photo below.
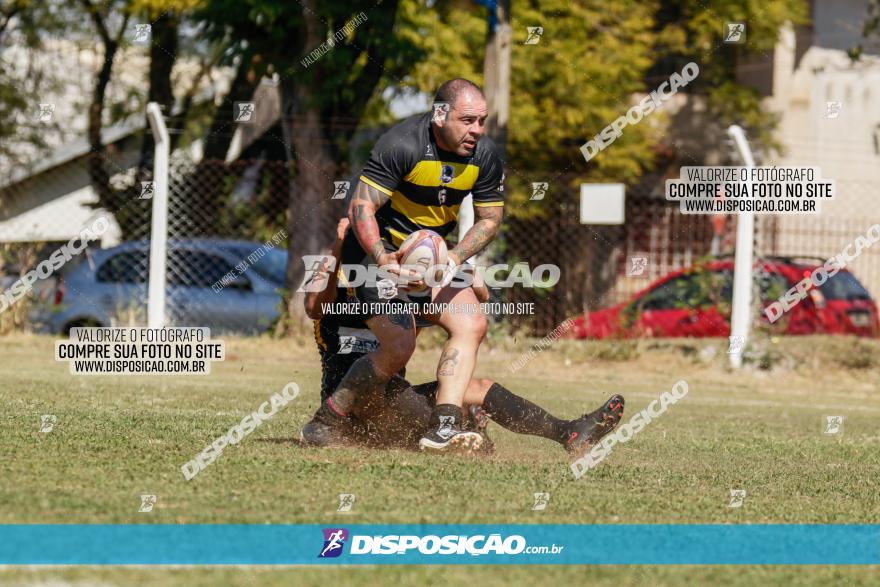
(473, 329)
(476, 391)
(481, 327)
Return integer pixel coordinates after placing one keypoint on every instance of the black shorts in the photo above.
(373, 295)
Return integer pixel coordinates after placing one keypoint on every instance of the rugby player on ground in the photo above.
(398, 413)
(416, 178)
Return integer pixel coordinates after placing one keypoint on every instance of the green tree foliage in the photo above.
(591, 60)
(24, 24)
(327, 74)
(592, 57)
(690, 30)
(579, 77)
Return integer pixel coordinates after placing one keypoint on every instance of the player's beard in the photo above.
(468, 148)
(447, 137)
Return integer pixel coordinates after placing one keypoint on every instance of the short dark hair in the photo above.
(452, 89)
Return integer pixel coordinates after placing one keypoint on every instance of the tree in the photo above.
(110, 40)
(164, 25)
(693, 31)
(331, 59)
(579, 77)
(591, 63)
(164, 18)
(24, 24)
(870, 43)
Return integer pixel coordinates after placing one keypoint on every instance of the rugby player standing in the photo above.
(416, 178)
(397, 414)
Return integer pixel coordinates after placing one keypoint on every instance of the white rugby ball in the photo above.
(422, 251)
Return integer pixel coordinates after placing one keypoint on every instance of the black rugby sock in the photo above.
(445, 410)
(519, 415)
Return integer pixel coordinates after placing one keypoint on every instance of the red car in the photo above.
(696, 302)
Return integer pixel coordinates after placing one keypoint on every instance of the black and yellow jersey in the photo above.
(426, 185)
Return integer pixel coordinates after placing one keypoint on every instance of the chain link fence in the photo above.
(601, 265)
(229, 227)
(219, 213)
(823, 236)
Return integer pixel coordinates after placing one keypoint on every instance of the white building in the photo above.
(830, 118)
(47, 198)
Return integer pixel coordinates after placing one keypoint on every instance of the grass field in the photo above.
(760, 430)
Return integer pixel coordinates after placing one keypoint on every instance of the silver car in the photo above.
(226, 285)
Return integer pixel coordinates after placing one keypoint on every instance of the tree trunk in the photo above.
(247, 77)
(108, 198)
(163, 54)
(317, 132)
(312, 215)
(202, 203)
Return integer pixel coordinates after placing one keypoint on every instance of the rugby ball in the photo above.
(421, 251)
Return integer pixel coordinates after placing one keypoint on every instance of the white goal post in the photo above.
(741, 314)
(159, 226)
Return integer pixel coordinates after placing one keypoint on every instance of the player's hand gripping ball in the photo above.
(424, 252)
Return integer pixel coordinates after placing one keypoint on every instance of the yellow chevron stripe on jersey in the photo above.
(427, 173)
(426, 216)
(375, 185)
(397, 237)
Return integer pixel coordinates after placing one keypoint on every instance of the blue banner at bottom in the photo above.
(244, 544)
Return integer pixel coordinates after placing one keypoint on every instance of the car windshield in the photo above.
(844, 286)
(271, 266)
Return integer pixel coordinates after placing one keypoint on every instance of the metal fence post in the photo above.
(159, 227)
(740, 319)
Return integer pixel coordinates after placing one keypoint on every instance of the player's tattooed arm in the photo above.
(362, 214)
(481, 233)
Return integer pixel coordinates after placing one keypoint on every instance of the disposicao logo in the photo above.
(334, 540)
(451, 544)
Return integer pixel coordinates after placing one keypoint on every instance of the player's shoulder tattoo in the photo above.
(495, 213)
(364, 192)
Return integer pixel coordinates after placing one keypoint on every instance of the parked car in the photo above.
(696, 302)
(105, 284)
